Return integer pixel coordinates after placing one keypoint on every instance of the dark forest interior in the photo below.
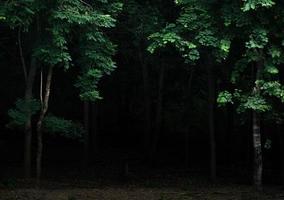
(144, 94)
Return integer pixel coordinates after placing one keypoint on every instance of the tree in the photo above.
(209, 28)
(138, 21)
(196, 35)
(255, 24)
(20, 16)
(55, 23)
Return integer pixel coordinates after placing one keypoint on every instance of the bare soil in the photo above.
(60, 191)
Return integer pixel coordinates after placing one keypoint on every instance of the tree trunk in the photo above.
(44, 108)
(229, 134)
(147, 101)
(281, 151)
(211, 121)
(257, 173)
(94, 128)
(159, 109)
(87, 133)
(29, 81)
(22, 55)
(188, 106)
(28, 124)
(257, 177)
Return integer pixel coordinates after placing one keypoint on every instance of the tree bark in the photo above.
(280, 137)
(257, 177)
(87, 133)
(29, 81)
(22, 55)
(147, 101)
(28, 124)
(211, 121)
(258, 165)
(159, 109)
(188, 99)
(94, 128)
(43, 111)
(229, 134)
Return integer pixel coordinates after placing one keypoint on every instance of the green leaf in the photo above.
(225, 45)
(224, 98)
(272, 69)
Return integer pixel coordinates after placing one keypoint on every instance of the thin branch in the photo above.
(22, 56)
(83, 2)
(47, 88)
(41, 85)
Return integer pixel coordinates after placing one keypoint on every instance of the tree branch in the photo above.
(22, 56)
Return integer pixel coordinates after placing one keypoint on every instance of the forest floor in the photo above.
(61, 183)
(91, 191)
(219, 193)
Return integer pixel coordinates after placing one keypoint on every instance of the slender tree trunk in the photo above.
(22, 55)
(29, 81)
(257, 177)
(28, 123)
(87, 132)
(44, 108)
(258, 166)
(188, 99)
(281, 151)
(147, 101)
(211, 121)
(159, 109)
(229, 134)
(94, 128)
(282, 156)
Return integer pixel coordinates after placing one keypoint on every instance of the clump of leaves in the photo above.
(63, 127)
(21, 112)
(254, 4)
(87, 83)
(224, 98)
(52, 124)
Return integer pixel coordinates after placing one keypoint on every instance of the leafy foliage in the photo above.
(262, 53)
(254, 4)
(60, 19)
(22, 111)
(63, 30)
(169, 36)
(19, 13)
(257, 39)
(63, 127)
(194, 30)
(96, 50)
(224, 98)
(200, 32)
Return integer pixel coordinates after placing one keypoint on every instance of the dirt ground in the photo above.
(233, 192)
